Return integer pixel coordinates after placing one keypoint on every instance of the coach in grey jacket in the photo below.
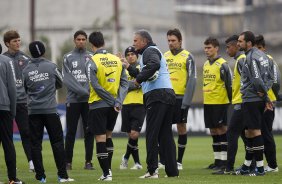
(256, 80)
(41, 79)
(7, 113)
(75, 79)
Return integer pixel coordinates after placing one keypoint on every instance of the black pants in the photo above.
(158, 131)
(52, 123)
(22, 122)
(269, 143)
(74, 111)
(6, 138)
(235, 129)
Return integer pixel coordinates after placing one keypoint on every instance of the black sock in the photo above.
(182, 141)
(128, 150)
(135, 151)
(110, 150)
(102, 157)
(224, 144)
(249, 154)
(258, 148)
(216, 149)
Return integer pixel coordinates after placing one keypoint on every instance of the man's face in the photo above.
(138, 42)
(173, 42)
(14, 44)
(80, 42)
(131, 57)
(231, 48)
(210, 51)
(242, 44)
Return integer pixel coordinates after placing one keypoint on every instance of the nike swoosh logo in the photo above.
(172, 72)
(107, 74)
(205, 84)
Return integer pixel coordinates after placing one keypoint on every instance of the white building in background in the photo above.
(59, 19)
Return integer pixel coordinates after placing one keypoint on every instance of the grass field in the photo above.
(198, 155)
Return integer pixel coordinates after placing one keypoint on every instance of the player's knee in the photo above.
(134, 135)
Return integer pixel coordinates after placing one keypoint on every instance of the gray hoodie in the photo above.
(8, 92)
(41, 79)
(256, 76)
(20, 61)
(75, 76)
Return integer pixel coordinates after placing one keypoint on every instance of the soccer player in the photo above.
(108, 88)
(75, 79)
(132, 113)
(235, 126)
(256, 80)
(217, 96)
(41, 79)
(268, 116)
(182, 71)
(12, 41)
(7, 113)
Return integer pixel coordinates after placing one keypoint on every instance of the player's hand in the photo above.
(268, 106)
(123, 60)
(117, 109)
(260, 94)
(136, 83)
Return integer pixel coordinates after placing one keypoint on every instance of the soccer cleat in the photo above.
(224, 172)
(256, 173)
(269, 169)
(43, 180)
(68, 166)
(89, 166)
(179, 166)
(31, 166)
(161, 166)
(63, 180)
(241, 172)
(16, 181)
(110, 173)
(155, 175)
(106, 178)
(136, 166)
(211, 166)
(124, 163)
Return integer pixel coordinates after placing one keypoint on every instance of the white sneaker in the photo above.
(161, 166)
(179, 166)
(155, 175)
(124, 163)
(106, 178)
(136, 166)
(31, 166)
(269, 169)
(63, 180)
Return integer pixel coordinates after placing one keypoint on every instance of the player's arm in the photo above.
(226, 76)
(190, 82)
(122, 91)
(11, 84)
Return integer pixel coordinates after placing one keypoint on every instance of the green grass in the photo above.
(198, 155)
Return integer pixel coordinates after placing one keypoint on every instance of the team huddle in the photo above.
(143, 83)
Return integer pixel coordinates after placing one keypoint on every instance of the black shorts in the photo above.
(253, 114)
(179, 115)
(102, 119)
(132, 117)
(215, 116)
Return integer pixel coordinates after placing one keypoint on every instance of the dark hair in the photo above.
(145, 35)
(259, 40)
(79, 32)
(249, 37)
(0, 48)
(10, 35)
(96, 38)
(213, 41)
(233, 38)
(175, 32)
